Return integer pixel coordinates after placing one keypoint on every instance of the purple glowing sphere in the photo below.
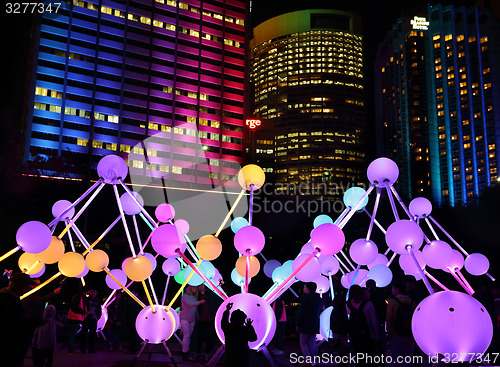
(262, 314)
(34, 237)
(347, 278)
(381, 274)
(155, 326)
(171, 266)
(183, 225)
(60, 206)
(382, 171)
(477, 264)
(437, 254)
(452, 323)
(310, 271)
(363, 252)
(322, 284)
(420, 207)
(408, 265)
(269, 267)
(84, 272)
(129, 205)
(403, 233)
(456, 263)
(381, 259)
(111, 168)
(119, 275)
(164, 213)
(328, 238)
(249, 241)
(151, 258)
(329, 265)
(167, 239)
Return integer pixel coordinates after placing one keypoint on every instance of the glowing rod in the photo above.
(125, 289)
(247, 270)
(435, 280)
(183, 286)
(417, 265)
(229, 214)
(122, 214)
(137, 202)
(356, 206)
(11, 252)
(149, 296)
(391, 200)
(250, 210)
(39, 286)
(372, 219)
(101, 236)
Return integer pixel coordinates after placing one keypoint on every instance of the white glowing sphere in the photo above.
(101, 323)
(353, 195)
(452, 323)
(456, 263)
(322, 219)
(129, 205)
(171, 266)
(477, 264)
(310, 271)
(437, 254)
(381, 274)
(329, 265)
(167, 239)
(278, 275)
(402, 233)
(60, 206)
(359, 279)
(328, 238)
(420, 207)
(262, 314)
(322, 284)
(119, 275)
(34, 237)
(269, 267)
(381, 259)
(363, 252)
(382, 171)
(249, 240)
(164, 212)
(408, 265)
(111, 168)
(324, 323)
(155, 327)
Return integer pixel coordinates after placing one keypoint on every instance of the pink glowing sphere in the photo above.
(167, 239)
(329, 265)
(310, 271)
(183, 225)
(111, 168)
(155, 326)
(381, 274)
(477, 264)
(171, 266)
(328, 238)
(381, 259)
(322, 283)
(264, 321)
(164, 212)
(363, 252)
(437, 254)
(403, 233)
(129, 206)
(34, 237)
(249, 240)
(420, 207)
(119, 275)
(269, 267)
(60, 206)
(452, 323)
(456, 263)
(382, 171)
(407, 263)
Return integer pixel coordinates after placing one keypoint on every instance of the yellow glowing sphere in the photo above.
(138, 269)
(27, 260)
(241, 266)
(97, 260)
(53, 253)
(251, 174)
(71, 264)
(209, 247)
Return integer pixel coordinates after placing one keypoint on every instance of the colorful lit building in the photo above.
(438, 102)
(307, 78)
(159, 82)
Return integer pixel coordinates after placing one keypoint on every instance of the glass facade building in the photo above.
(159, 82)
(438, 102)
(307, 78)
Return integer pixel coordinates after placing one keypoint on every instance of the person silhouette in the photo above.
(237, 334)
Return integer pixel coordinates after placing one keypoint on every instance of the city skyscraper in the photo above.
(438, 101)
(159, 82)
(307, 78)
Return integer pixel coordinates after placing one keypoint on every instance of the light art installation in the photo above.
(439, 323)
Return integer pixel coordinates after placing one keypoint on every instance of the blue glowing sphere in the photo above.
(322, 219)
(353, 195)
(238, 223)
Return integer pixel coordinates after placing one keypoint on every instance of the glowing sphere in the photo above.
(26, 261)
(249, 240)
(277, 275)
(329, 265)
(177, 319)
(381, 259)
(39, 274)
(238, 223)
(53, 253)
(241, 266)
(402, 233)
(171, 266)
(209, 247)
(307, 248)
(328, 238)
(34, 237)
(167, 239)
(420, 207)
(138, 269)
(103, 319)
(128, 204)
(269, 267)
(456, 263)
(437, 254)
(363, 252)
(217, 278)
(324, 323)
(408, 265)
(251, 174)
(287, 268)
(111, 168)
(477, 264)
(207, 269)
(353, 195)
(179, 277)
(155, 327)
(164, 212)
(97, 260)
(452, 323)
(237, 278)
(323, 284)
(83, 273)
(322, 219)
(151, 258)
(71, 264)
(119, 275)
(60, 206)
(264, 321)
(195, 279)
(382, 171)
(183, 225)
(310, 271)
(381, 274)
(347, 279)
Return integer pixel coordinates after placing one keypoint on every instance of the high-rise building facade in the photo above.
(160, 82)
(438, 102)
(307, 77)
